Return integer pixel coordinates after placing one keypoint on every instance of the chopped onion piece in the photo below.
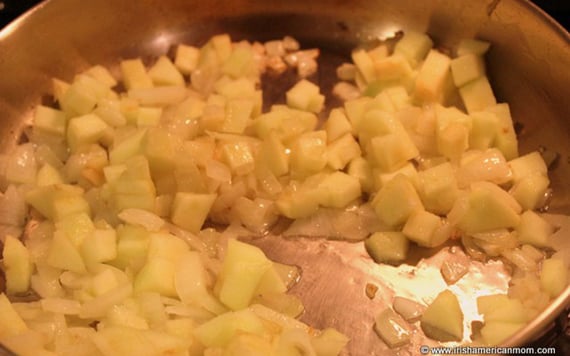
(61, 305)
(348, 224)
(394, 330)
(346, 91)
(139, 217)
(520, 259)
(453, 269)
(21, 166)
(218, 171)
(410, 310)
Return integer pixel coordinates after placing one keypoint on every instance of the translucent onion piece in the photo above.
(453, 269)
(139, 217)
(352, 224)
(394, 330)
(218, 171)
(61, 305)
(520, 259)
(21, 166)
(13, 208)
(409, 310)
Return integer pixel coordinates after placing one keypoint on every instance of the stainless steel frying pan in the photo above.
(529, 65)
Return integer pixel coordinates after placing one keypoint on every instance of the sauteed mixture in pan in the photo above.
(121, 210)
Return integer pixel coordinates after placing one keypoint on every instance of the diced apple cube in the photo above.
(467, 68)
(274, 154)
(477, 95)
(17, 265)
(134, 188)
(308, 154)
(487, 207)
(11, 323)
(132, 246)
(341, 151)
(377, 122)
(329, 342)
(421, 228)
(135, 75)
(80, 98)
(499, 307)
(393, 330)
(394, 67)
(305, 96)
(50, 120)
(186, 59)
(387, 247)
(299, 204)
(219, 331)
(396, 201)
(100, 246)
(443, 318)
(529, 164)
(76, 227)
(337, 125)
(392, 151)
(64, 255)
(452, 134)
(148, 116)
(159, 96)
(496, 332)
(84, 130)
(238, 114)
(163, 72)
(48, 175)
(166, 246)
(57, 201)
(489, 165)
(355, 110)
(414, 46)
(102, 75)
(534, 229)
(157, 275)
(472, 46)
(241, 63)
(190, 210)
(381, 178)
(222, 44)
(239, 156)
(364, 64)
(506, 139)
(553, 276)
(59, 88)
(399, 97)
(438, 188)
(360, 168)
(338, 189)
(127, 148)
(159, 147)
(484, 129)
(453, 140)
(433, 77)
(110, 111)
(531, 191)
(243, 268)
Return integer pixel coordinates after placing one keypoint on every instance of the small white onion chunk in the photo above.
(394, 330)
(410, 310)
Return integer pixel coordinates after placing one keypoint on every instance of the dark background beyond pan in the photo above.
(558, 9)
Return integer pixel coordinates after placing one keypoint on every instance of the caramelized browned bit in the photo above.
(371, 290)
